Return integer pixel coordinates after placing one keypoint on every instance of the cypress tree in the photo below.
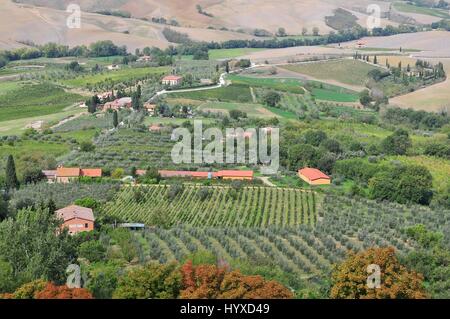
(138, 91)
(51, 206)
(11, 176)
(115, 119)
(375, 61)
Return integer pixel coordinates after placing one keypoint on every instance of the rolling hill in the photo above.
(45, 20)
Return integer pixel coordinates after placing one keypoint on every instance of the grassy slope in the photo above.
(230, 53)
(119, 75)
(345, 71)
(35, 100)
(252, 110)
(405, 7)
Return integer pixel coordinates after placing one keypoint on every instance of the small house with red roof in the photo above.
(234, 175)
(313, 176)
(172, 80)
(76, 219)
(67, 174)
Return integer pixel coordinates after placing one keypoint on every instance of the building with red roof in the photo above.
(313, 176)
(172, 80)
(66, 174)
(76, 219)
(235, 174)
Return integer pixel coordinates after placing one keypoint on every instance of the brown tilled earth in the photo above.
(270, 15)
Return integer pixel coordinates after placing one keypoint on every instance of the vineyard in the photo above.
(344, 224)
(223, 206)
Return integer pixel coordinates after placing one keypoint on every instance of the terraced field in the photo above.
(247, 207)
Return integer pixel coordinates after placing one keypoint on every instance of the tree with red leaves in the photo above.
(40, 289)
(212, 282)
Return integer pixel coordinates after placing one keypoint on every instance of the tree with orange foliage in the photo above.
(39, 289)
(52, 291)
(349, 279)
(212, 282)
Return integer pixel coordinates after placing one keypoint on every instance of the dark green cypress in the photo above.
(11, 177)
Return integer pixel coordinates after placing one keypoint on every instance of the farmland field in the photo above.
(252, 110)
(124, 74)
(220, 54)
(249, 207)
(288, 85)
(345, 71)
(410, 8)
(232, 93)
(31, 100)
(345, 224)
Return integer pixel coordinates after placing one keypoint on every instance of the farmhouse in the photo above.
(224, 174)
(67, 174)
(76, 219)
(235, 175)
(185, 174)
(141, 172)
(145, 58)
(117, 104)
(155, 128)
(314, 176)
(105, 96)
(172, 80)
(50, 175)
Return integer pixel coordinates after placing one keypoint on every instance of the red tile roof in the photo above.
(172, 78)
(313, 173)
(91, 172)
(165, 173)
(141, 172)
(73, 211)
(68, 172)
(234, 173)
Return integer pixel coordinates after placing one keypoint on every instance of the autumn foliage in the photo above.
(350, 278)
(52, 291)
(40, 289)
(213, 282)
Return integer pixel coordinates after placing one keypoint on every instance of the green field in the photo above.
(319, 90)
(285, 85)
(30, 149)
(32, 100)
(124, 74)
(232, 93)
(16, 127)
(252, 110)
(219, 54)
(351, 72)
(410, 8)
(334, 93)
(438, 167)
(252, 206)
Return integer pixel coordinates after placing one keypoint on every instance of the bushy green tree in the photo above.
(403, 184)
(397, 144)
(272, 98)
(152, 281)
(35, 247)
(93, 250)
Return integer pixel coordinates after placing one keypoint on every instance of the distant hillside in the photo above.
(209, 20)
(247, 15)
